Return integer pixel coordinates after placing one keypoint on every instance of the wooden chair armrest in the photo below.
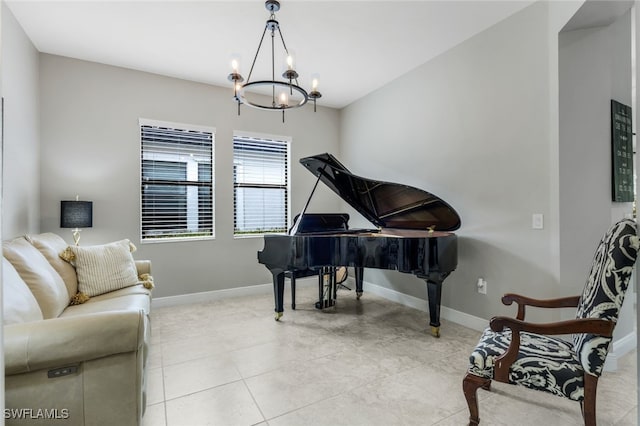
(523, 301)
(600, 327)
(596, 326)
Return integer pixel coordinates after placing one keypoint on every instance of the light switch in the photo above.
(537, 221)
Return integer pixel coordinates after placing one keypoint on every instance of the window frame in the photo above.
(178, 126)
(269, 138)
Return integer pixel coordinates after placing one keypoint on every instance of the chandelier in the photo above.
(285, 94)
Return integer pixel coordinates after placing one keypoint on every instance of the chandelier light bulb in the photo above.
(235, 76)
(284, 99)
(289, 62)
(314, 94)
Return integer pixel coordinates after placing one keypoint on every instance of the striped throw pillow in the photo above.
(104, 268)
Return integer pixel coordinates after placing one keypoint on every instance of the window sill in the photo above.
(175, 240)
(244, 236)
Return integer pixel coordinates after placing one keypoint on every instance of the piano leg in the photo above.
(278, 292)
(434, 294)
(359, 271)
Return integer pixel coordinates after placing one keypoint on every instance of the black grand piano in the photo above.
(413, 235)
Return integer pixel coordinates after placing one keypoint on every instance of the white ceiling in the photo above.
(355, 46)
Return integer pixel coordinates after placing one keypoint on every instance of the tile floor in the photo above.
(367, 362)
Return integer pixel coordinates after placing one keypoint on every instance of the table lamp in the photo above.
(76, 214)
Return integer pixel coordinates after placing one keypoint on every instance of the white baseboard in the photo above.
(208, 296)
(620, 347)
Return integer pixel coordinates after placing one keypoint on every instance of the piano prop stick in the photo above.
(413, 235)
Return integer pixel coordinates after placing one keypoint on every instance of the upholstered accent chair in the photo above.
(521, 353)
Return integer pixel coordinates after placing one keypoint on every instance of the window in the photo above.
(260, 185)
(176, 185)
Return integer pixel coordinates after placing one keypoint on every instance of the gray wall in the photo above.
(475, 126)
(21, 166)
(595, 67)
(90, 147)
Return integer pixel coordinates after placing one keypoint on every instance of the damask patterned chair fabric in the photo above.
(544, 362)
(551, 364)
(604, 292)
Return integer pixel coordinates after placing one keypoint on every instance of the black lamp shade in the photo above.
(76, 214)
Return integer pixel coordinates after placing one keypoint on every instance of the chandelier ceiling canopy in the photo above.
(283, 94)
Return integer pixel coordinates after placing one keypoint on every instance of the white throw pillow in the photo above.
(104, 268)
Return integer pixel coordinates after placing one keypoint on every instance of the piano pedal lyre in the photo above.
(327, 288)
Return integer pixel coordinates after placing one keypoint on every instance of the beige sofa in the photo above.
(70, 364)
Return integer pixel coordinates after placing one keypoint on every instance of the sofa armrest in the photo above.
(143, 267)
(70, 340)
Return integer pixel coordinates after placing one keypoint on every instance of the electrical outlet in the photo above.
(482, 286)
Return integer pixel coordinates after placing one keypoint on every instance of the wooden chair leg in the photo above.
(470, 386)
(588, 405)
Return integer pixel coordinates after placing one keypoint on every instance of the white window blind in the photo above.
(261, 185)
(176, 181)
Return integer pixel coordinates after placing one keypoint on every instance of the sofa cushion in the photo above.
(18, 302)
(44, 282)
(129, 298)
(50, 245)
(104, 268)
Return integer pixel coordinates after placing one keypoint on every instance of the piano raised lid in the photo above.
(413, 236)
(385, 204)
